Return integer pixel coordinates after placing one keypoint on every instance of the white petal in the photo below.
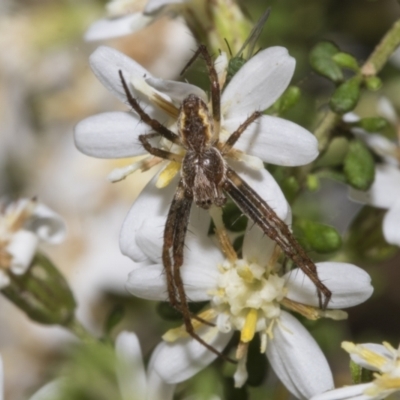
(297, 359)
(108, 28)
(265, 186)
(259, 83)
(110, 135)
(384, 191)
(276, 141)
(151, 202)
(386, 109)
(391, 224)
(4, 280)
(177, 91)
(176, 362)
(154, 5)
(354, 392)
(106, 62)
(47, 225)
(130, 369)
(349, 285)
(22, 248)
(149, 238)
(376, 348)
(257, 247)
(50, 391)
(150, 283)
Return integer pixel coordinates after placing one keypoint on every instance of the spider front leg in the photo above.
(153, 123)
(155, 151)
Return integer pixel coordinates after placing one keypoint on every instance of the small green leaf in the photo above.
(289, 99)
(346, 96)
(373, 124)
(359, 166)
(313, 182)
(319, 237)
(373, 83)
(114, 318)
(321, 61)
(346, 60)
(359, 374)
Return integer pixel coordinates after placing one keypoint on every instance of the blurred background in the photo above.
(46, 87)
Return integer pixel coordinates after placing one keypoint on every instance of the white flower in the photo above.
(246, 295)
(126, 17)
(22, 225)
(256, 86)
(385, 191)
(384, 359)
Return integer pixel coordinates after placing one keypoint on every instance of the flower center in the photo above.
(247, 298)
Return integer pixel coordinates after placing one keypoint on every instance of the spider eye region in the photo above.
(203, 175)
(195, 124)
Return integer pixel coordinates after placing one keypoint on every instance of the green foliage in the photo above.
(359, 374)
(321, 60)
(365, 240)
(373, 124)
(346, 95)
(289, 99)
(317, 237)
(346, 60)
(359, 166)
(335, 153)
(373, 83)
(114, 318)
(256, 365)
(233, 218)
(42, 293)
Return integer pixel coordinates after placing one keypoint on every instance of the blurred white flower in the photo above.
(385, 191)
(383, 359)
(246, 295)
(126, 17)
(257, 85)
(22, 225)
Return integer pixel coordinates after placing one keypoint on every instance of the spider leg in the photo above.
(155, 151)
(214, 89)
(157, 126)
(174, 238)
(234, 137)
(252, 205)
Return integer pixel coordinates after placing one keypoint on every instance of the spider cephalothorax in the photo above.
(205, 179)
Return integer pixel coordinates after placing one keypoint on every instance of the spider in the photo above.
(206, 179)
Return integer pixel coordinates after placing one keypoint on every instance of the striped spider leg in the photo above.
(205, 180)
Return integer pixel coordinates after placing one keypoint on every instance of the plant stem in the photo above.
(80, 331)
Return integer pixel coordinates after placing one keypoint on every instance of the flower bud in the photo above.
(346, 60)
(322, 63)
(346, 96)
(42, 293)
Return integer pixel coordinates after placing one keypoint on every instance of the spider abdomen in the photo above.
(203, 175)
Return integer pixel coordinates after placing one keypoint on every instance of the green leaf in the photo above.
(318, 237)
(289, 99)
(359, 166)
(114, 318)
(233, 218)
(359, 374)
(373, 83)
(321, 61)
(373, 124)
(346, 60)
(346, 96)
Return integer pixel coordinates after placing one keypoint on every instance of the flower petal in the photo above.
(257, 247)
(47, 224)
(374, 347)
(177, 91)
(149, 282)
(151, 202)
(349, 285)
(275, 140)
(108, 28)
(50, 391)
(391, 223)
(110, 135)
(178, 361)
(262, 182)
(4, 281)
(130, 369)
(259, 83)
(22, 248)
(385, 189)
(354, 392)
(155, 5)
(297, 359)
(386, 109)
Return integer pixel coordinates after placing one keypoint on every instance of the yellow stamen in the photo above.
(168, 174)
(372, 358)
(180, 332)
(245, 273)
(387, 382)
(249, 328)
